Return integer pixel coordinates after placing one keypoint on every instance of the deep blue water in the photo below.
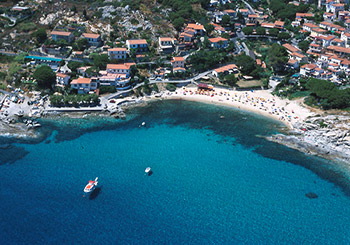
(215, 181)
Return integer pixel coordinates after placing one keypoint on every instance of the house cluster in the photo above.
(93, 39)
(117, 75)
(329, 49)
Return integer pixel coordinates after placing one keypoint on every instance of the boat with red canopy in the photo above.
(91, 185)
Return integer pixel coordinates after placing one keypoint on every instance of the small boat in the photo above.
(91, 185)
(143, 123)
(148, 171)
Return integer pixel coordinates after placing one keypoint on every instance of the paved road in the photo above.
(251, 10)
(190, 80)
(248, 52)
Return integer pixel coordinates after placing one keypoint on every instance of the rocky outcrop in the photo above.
(328, 136)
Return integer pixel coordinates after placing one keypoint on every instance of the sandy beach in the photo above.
(260, 101)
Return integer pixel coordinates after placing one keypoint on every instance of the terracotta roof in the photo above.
(177, 59)
(310, 25)
(117, 66)
(337, 40)
(339, 49)
(229, 11)
(91, 35)
(320, 30)
(291, 48)
(243, 10)
(137, 41)
(304, 15)
(116, 49)
(61, 75)
(267, 25)
(338, 4)
(61, 33)
(309, 66)
(179, 69)
(314, 45)
(279, 23)
(328, 38)
(226, 68)
(217, 39)
(253, 16)
(196, 27)
(292, 62)
(298, 55)
(81, 80)
(166, 39)
(328, 14)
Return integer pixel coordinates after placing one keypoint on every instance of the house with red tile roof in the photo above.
(84, 85)
(218, 28)
(309, 26)
(334, 7)
(117, 53)
(227, 69)
(345, 36)
(291, 49)
(166, 44)
(342, 51)
(268, 25)
(120, 68)
(292, 64)
(218, 42)
(198, 29)
(230, 12)
(178, 62)
(62, 79)
(317, 32)
(140, 45)
(329, 16)
(314, 49)
(279, 24)
(62, 35)
(93, 39)
(244, 12)
(307, 69)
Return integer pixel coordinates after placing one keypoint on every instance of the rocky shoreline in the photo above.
(326, 136)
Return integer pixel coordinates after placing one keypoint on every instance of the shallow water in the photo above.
(213, 180)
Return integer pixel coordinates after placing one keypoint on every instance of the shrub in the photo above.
(171, 87)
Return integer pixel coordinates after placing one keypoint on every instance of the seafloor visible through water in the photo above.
(215, 180)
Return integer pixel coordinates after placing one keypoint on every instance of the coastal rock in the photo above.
(311, 195)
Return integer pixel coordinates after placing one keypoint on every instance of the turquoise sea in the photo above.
(214, 181)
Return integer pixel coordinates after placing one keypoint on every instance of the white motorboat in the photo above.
(147, 170)
(91, 185)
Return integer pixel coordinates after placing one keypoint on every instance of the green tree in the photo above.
(278, 57)
(230, 80)
(178, 23)
(304, 45)
(82, 44)
(209, 28)
(101, 61)
(74, 65)
(248, 30)
(283, 35)
(246, 64)
(260, 30)
(273, 32)
(40, 35)
(73, 9)
(45, 77)
(225, 21)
